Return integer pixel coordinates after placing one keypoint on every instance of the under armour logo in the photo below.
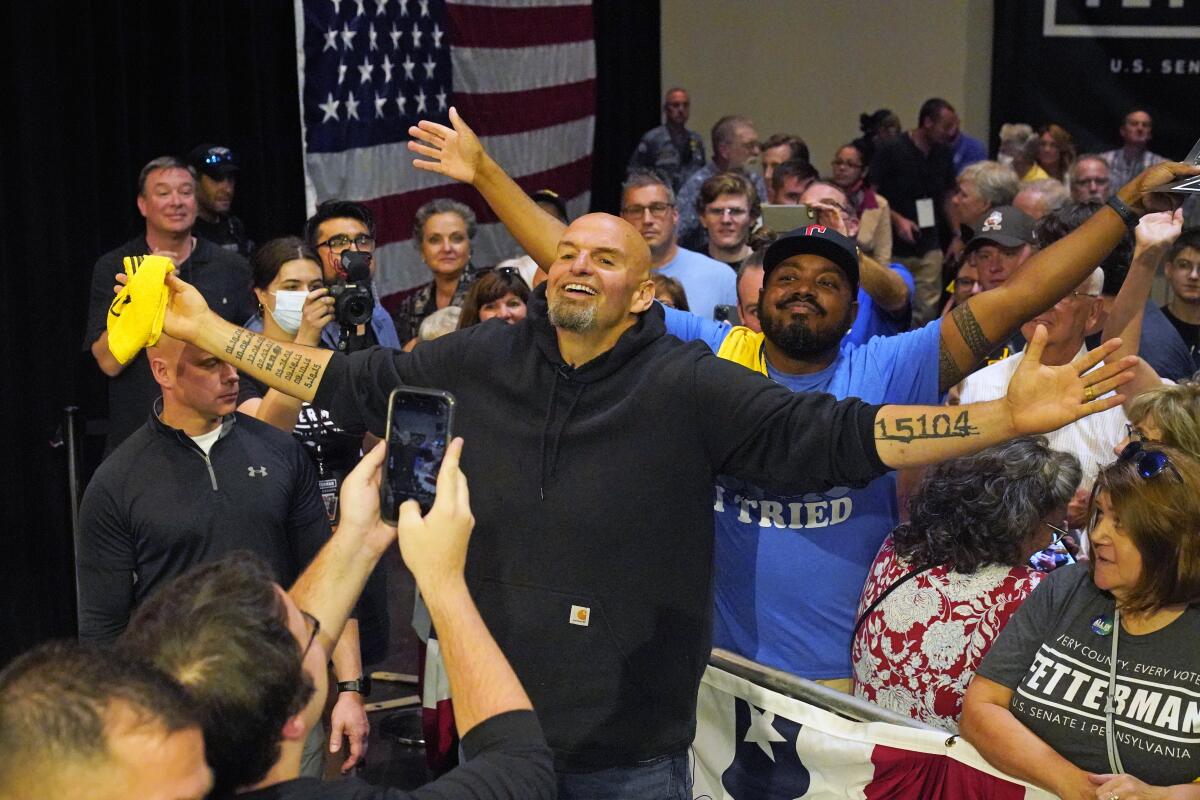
(257, 472)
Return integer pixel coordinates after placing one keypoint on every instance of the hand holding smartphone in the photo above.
(419, 426)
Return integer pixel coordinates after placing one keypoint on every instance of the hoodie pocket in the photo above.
(563, 648)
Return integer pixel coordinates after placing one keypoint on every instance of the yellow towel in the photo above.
(135, 318)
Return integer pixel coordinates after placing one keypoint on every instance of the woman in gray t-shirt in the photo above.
(1039, 706)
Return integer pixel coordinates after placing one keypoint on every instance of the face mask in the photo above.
(289, 310)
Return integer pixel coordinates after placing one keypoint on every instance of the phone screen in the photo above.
(784, 218)
(418, 432)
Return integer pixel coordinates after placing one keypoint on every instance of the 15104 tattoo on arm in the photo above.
(937, 426)
(247, 348)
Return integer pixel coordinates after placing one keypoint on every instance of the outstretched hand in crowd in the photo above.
(1043, 398)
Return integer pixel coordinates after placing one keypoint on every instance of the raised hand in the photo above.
(1042, 398)
(318, 312)
(453, 152)
(186, 309)
(1139, 193)
(359, 502)
(1159, 229)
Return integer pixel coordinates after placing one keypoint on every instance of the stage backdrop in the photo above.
(1085, 63)
(522, 74)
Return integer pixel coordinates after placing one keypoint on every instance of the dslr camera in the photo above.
(352, 298)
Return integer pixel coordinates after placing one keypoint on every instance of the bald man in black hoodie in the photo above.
(594, 439)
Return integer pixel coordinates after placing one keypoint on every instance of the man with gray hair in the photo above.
(981, 187)
(1039, 198)
(649, 205)
(735, 145)
(1091, 179)
(167, 199)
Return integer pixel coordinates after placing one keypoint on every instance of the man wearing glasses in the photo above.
(167, 199)
(648, 204)
(338, 226)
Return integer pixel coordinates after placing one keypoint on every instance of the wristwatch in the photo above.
(362, 685)
(1127, 214)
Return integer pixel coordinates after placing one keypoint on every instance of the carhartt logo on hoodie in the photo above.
(580, 615)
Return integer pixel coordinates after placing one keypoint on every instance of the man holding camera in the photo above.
(338, 232)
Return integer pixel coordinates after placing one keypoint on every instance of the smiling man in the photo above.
(601, 435)
(167, 199)
(728, 209)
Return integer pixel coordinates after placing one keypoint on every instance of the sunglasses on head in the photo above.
(1149, 463)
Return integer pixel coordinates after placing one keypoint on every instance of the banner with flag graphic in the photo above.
(753, 743)
(522, 74)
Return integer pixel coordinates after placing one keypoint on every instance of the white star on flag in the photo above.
(421, 101)
(361, 10)
(437, 34)
(347, 36)
(330, 107)
(380, 7)
(404, 8)
(379, 103)
(424, 7)
(408, 68)
(441, 97)
(416, 34)
(341, 74)
(387, 66)
(401, 101)
(373, 37)
(395, 34)
(364, 71)
(330, 40)
(762, 732)
(351, 107)
(429, 66)
(337, 7)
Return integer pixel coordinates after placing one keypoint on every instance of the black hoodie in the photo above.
(592, 489)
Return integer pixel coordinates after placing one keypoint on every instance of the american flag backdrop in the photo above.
(522, 73)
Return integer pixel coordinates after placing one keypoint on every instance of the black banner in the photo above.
(1084, 64)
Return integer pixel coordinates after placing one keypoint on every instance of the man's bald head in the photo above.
(192, 380)
(623, 235)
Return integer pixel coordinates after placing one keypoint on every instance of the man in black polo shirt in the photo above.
(167, 199)
(915, 172)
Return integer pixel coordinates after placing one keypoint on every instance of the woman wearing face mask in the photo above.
(293, 306)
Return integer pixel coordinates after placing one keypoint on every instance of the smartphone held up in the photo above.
(419, 427)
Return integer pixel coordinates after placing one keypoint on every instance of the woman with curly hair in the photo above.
(945, 583)
(1056, 151)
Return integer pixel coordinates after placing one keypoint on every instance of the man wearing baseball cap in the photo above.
(998, 245)
(771, 548)
(217, 168)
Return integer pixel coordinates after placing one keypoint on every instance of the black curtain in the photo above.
(96, 88)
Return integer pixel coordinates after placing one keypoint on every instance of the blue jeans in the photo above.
(666, 778)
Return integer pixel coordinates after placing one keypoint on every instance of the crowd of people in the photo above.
(934, 445)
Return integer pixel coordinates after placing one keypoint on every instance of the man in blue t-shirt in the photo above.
(789, 569)
(648, 204)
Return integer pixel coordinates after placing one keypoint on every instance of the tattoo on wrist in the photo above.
(948, 372)
(253, 349)
(939, 426)
(971, 332)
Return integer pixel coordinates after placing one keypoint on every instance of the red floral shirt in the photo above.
(918, 649)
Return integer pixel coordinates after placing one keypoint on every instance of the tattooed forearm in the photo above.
(937, 426)
(948, 372)
(253, 350)
(972, 334)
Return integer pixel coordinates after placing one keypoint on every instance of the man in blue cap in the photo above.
(217, 168)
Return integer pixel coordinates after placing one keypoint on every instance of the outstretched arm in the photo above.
(986, 319)
(457, 153)
(1040, 399)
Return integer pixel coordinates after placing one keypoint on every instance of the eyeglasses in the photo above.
(736, 213)
(315, 624)
(340, 241)
(1149, 463)
(1133, 434)
(1059, 533)
(1075, 296)
(837, 162)
(656, 210)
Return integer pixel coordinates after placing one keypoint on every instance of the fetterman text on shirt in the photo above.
(1155, 707)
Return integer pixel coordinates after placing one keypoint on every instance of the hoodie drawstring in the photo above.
(549, 466)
